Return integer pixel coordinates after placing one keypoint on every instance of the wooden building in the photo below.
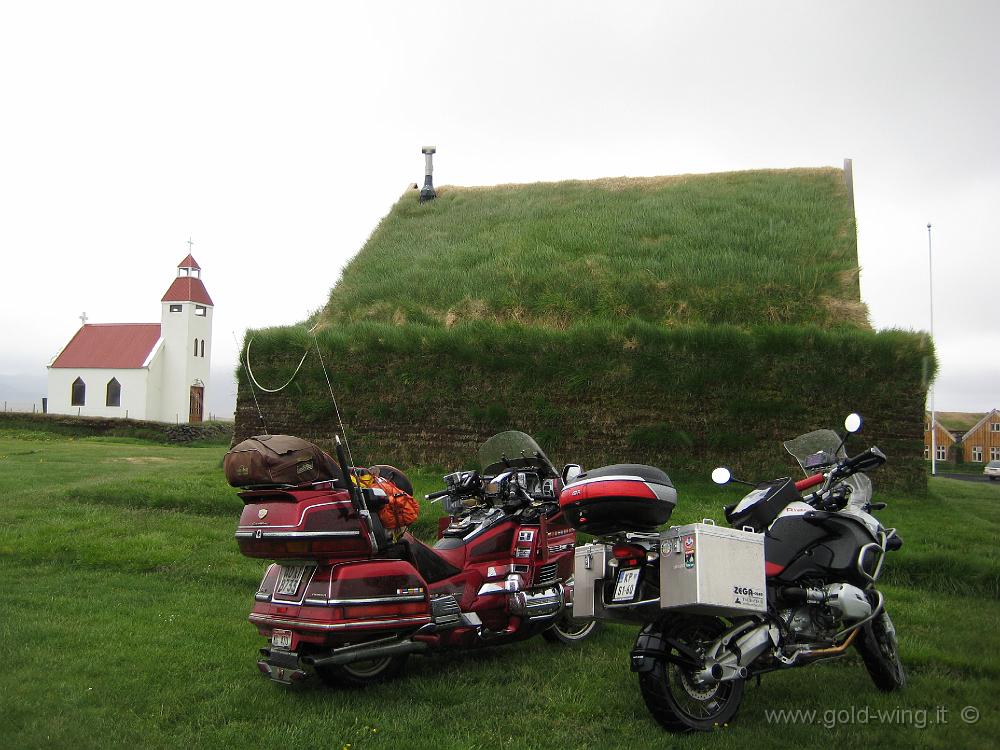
(944, 440)
(982, 442)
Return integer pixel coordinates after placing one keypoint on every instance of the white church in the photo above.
(153, 371)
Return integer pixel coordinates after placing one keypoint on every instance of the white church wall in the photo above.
(133, 392)
(154, 385)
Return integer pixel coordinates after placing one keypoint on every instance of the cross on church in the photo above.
(190, 244)
(83, 318)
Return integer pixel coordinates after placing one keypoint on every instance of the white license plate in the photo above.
(625, 587)
(290, 578)
(281, 638)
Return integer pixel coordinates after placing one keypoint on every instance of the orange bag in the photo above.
(401, 509)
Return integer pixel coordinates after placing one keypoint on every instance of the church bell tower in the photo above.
(186, 329)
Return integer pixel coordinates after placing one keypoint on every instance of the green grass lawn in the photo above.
(125, 623)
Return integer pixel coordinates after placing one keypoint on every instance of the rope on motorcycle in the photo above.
(253, 393)
(279, 388)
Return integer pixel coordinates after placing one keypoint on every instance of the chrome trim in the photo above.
(547, 573)
(293, 534)
(622, 605)
(859, 562)
(322, 601)
(610, 478)
(270, 621)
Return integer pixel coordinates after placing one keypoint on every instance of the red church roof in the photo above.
(189, 262)
(111, 345)
(187, 289)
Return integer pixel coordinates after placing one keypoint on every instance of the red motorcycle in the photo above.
(349, 600)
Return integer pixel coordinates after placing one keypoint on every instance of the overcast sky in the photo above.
(277, 134)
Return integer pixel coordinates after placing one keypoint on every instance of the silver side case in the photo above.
(713, 570)
(590, 562)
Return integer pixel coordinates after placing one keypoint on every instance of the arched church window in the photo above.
(196, 347)
(79, 393)
(114, 393)
(203, 347)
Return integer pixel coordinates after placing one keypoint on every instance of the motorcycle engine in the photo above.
(827, 608)
(810, 622)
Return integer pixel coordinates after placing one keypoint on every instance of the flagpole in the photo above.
(930, 280)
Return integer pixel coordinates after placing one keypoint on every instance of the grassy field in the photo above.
(126, 599)
(775, 246)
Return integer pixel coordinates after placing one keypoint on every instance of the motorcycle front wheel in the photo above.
(570, 632)
(880, 651)
(673, 697)
(363, 673)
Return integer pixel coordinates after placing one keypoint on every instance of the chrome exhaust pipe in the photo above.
(359, 653)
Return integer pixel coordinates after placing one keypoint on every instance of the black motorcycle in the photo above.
(822, 552)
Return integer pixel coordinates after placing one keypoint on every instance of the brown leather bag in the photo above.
(278, 459)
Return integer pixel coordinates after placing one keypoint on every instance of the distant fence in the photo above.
(163, 432)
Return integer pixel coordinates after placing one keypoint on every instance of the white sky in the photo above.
(277, 134)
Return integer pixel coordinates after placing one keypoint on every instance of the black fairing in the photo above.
(816, 545)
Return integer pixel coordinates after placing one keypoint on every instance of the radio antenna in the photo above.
(336, 408)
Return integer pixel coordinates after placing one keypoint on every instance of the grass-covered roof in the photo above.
(738, 248)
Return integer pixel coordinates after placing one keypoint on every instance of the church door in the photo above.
(197, 400)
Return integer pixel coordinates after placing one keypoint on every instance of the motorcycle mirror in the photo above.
(721, 475)
(853, 423)
(570, 472)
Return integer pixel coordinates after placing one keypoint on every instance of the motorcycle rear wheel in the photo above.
(880, 651)
(363, 673)
(670, 694)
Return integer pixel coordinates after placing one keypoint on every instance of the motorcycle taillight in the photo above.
(629, 555)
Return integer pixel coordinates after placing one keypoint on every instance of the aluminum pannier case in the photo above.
(709, 569)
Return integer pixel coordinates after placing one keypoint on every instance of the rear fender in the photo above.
(652, 645)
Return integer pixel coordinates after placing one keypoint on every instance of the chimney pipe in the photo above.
(427, 191)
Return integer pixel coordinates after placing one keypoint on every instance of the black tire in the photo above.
(363, 673)
(880, 651)
(673, 699)
(570, 632)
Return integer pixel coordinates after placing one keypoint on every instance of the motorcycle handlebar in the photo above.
(436, 495)
(865, 461)
(804, 484)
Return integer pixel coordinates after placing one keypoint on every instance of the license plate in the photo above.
(281, 638)
(290, 578)
(625, 587)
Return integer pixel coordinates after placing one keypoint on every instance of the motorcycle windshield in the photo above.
(827, 441)
(514, 450)
(861, 490)
(818, 441)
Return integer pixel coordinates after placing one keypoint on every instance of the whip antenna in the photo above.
(253, 393)
(333, 398)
